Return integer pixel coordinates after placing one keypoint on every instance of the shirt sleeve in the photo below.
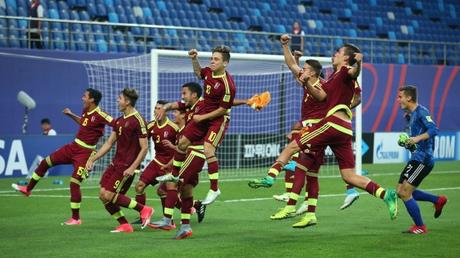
(343, 73)
(429, 124)
(205, 71)
(141, 129)
(228, 96)
(40, 11)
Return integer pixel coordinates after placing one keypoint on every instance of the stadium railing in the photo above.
(140, 38)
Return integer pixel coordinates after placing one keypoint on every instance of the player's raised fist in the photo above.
(193, 53)
(284, 39)
(67, 111)
(359, 57)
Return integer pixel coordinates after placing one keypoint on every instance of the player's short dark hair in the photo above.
(224, 50)
(131, 95)
(45, 121)
(351, 50)
(410, 90)
(94, 94)
(194, 88)
(316, 65)
(161, 102)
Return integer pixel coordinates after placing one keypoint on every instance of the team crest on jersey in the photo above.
(216, 86)
(93, 118)
(166, 134)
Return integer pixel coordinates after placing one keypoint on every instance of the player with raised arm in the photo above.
(420, 140)
(159, 130)
(335, 129)
(130, 134)
(92, 123)
(186, 178)
(211, 121)
(307, 164)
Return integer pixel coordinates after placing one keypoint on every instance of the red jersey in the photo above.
(167, 131)
(92, 127)
(340, 87)
(189, 111)
(312, 109)
(219, 91)
(128, 129)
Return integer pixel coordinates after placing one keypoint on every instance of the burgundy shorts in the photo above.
(74, 154)
(333, 132)
(152, 171)
(212, 132)
(191, 168)
(114, 181)
(313, 159)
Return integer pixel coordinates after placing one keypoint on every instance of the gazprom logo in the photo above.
(444, 146)
(383, 154)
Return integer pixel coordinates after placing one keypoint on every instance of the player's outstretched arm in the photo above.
(355, 70)
(166, 107)
(211, 115)
(315, 89)
(288, 57)
(239, 102)
(143, 142)
(102, 151)
(69, 113)
(193, 54)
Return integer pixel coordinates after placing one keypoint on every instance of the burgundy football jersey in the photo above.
(92, 126)
(128, 129)
(219, 91)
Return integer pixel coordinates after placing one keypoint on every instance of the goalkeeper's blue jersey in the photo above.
(421, 122)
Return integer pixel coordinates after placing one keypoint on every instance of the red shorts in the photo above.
(333, 132)
(152, 171)
(191, 167)
(313, 160)
(212, 132)
(75, 154)
(113, 180)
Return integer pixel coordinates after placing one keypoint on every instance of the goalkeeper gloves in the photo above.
(259, 101)
(403, 141)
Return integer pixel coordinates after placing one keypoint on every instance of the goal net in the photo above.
(254, 139)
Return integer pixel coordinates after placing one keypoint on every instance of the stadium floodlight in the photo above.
(29, 104)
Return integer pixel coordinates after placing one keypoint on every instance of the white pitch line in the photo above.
(226, 201)
(228, 180)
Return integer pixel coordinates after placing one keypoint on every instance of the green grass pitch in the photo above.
(237, 225)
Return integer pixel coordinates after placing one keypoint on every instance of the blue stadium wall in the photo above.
(56, 85)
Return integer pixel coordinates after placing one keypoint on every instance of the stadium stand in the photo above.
(397, 21)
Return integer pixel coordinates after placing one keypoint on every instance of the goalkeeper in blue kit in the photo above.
(420, 141)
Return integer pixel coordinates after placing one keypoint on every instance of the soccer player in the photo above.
(186, 178)
(307, 164)
(92, 123)
(420, 140)
(211, 121)
(159, 130)
(335, 129)
(130, 133)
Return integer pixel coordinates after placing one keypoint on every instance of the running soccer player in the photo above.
(420, 140)
(185, 179)
(159, 130)
(335, 129)
(211, 121)
(92, 123)
(130, 133)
